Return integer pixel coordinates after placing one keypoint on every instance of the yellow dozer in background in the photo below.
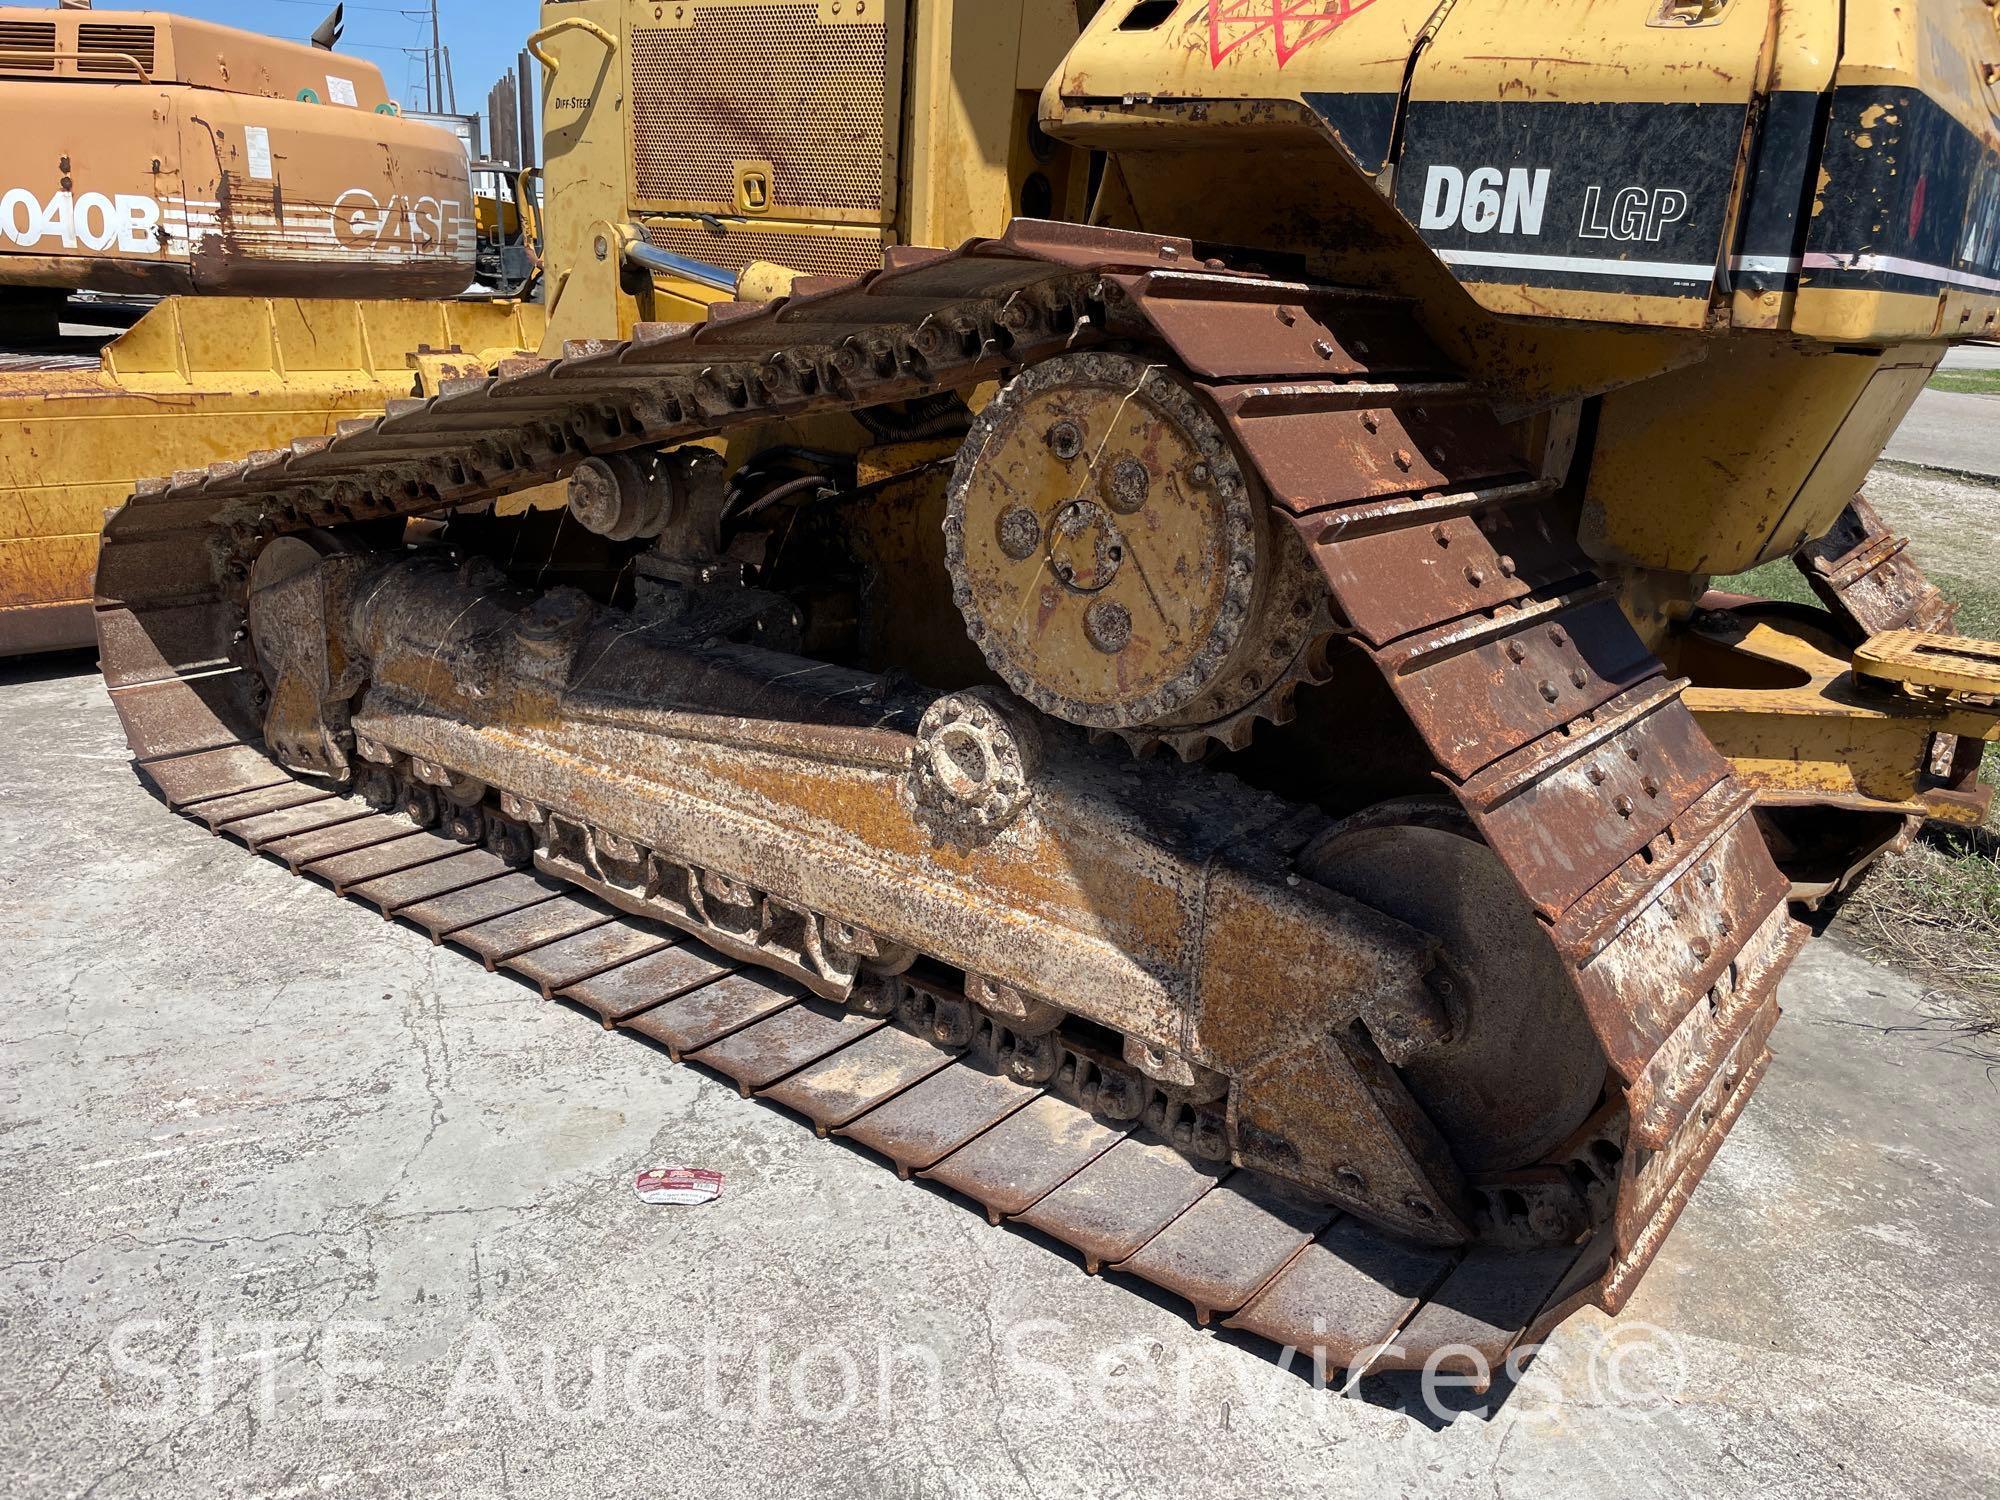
(1193, 712)
(247, 181)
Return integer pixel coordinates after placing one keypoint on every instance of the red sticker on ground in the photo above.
(678, 1185)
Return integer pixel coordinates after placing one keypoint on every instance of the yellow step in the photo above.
(1954, 663)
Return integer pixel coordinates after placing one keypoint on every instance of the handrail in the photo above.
(531, 219)
(569, 23)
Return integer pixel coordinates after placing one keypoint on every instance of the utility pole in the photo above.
(437, 63)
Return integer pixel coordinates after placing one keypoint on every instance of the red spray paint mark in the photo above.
(1293, 25)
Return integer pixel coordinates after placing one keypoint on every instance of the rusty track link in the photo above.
(1560, 735)
(1233, 1244)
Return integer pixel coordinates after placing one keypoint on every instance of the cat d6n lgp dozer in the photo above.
(247, 181)
(1196, 717)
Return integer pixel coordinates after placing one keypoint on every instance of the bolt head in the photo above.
(1107, 625)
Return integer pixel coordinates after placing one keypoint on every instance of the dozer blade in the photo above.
(1220, 977)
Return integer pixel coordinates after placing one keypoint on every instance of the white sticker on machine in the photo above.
(341, 91)
(257, 146)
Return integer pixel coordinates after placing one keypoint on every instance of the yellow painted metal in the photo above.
(199, 380)
(1718, 466)
(1781, 701)
(1804, 50)
(586, 170)
(537, 43)
(1947, 50)
(1585, 52)
(1950, 664)
(738, 132)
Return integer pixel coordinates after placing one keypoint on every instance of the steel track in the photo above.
(1556, 729)
(1235, 1245)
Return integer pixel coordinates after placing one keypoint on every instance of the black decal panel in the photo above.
(1617, 197)
(1911, 201)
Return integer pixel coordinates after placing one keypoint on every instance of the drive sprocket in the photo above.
(1115, 565)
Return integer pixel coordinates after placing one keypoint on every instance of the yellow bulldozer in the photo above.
(1126, 617)
(181, 205)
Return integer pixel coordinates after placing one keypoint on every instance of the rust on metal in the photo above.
(712, 1012)
(220, 811)
(265, 829)
(499, 939)
(837, 827)
(442, 916)
(214, 773)
(1344, 1296)
(1479, 1312)
(917, 1129)
(303, 849)
(1024, 1158)
(346, 871)
(1121, 1200)
(440, 877)
(852, 1081)
(639, 984)
(1229, 1244)
(765, 1051)
(1864, 573)
(571, 960)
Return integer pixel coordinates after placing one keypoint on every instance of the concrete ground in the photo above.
(239, 1115)
(1972, 357)
(1952, 430)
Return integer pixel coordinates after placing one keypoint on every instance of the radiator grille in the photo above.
(815, 254)
(20, 41)
(761, 83)
(103, 48)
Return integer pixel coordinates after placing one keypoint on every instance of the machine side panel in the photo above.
(1615, 198)
(1905, 236)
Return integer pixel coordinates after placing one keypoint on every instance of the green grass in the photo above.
(1936, 910)
(1775, 580)
(1967, 382)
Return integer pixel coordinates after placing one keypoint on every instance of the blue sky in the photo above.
(483, 35)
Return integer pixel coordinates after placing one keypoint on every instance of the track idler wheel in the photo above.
(1523, 1070)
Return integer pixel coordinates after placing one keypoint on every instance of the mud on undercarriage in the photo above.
(1512, 1024)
